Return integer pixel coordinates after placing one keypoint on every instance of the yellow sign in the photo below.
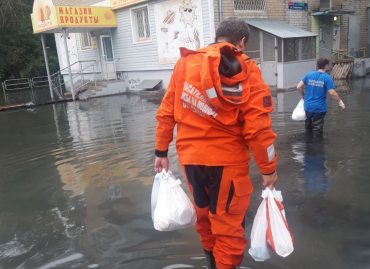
(85, 16)
(44, 16)
(116, 4)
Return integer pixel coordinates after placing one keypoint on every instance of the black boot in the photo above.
(318, 126)
(211, 263)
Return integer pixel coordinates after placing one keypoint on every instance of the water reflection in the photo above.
(316, 174)
(76, 180)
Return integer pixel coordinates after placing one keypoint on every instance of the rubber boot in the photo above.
(308, 126)
(318, 126)
(211, 263)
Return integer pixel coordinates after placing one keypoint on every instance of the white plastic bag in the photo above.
(171, 207)
(299, 114)
(278, 234)
(260, 250)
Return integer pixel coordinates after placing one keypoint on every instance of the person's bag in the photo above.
(278, 234)
(299, 114)
(260, 249)
(171, 207)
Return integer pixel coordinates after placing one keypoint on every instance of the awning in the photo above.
(278, 28)
(47, 18)
(332, 13)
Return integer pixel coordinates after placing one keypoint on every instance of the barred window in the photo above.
(308, 48)
(268, 48)
(250, 5)
(253, 45)
(291, 49)
(140, 24)
(280, 50)
(85, 39)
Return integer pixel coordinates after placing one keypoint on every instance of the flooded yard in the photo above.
(76, 178)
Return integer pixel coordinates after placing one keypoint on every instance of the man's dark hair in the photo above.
(322, 62)
(233, 30)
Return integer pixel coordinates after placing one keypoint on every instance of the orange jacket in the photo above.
(219, 118)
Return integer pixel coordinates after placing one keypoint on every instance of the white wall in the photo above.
(144, 56)
(290, 74)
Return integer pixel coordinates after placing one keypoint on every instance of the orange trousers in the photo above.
(221, 197)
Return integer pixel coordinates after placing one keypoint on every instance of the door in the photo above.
(269, 61)
(107, 62)
(353, 35)
(326, 36)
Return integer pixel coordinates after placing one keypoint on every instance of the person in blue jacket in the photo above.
(318, 83)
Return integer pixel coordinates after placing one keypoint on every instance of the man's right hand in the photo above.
(160, 164)
(341, 105)
(270, 180)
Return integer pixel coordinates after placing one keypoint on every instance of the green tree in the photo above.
(21, 52)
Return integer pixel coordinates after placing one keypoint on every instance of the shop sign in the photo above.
(116, 4)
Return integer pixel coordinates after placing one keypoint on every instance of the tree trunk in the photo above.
(16, 73)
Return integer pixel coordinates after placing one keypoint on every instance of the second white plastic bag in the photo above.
(278, 234)
(260, 249)
(299, 114)
(171, 207)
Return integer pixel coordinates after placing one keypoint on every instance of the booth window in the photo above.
(140, 24)
(308, 48)
(250, 5)
(291, 49)
(85, 41)
(253, 46)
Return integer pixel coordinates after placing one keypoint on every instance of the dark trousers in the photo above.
(315, 122)
(221, 198)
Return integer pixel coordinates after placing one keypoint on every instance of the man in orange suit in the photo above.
(221, 106)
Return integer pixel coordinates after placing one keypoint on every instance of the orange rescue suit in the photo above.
(218, 118)
(221, 106)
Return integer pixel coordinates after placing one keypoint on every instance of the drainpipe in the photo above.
(68, 63)
(219, 11)
(47, 65)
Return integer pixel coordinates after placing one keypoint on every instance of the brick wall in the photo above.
(363, 23)
(276, 9)
(297, 18)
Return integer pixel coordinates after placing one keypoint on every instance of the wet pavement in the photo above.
(75, 185)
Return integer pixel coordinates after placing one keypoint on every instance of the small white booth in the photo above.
(284, 53)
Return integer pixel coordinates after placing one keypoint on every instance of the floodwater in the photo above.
(75, 186)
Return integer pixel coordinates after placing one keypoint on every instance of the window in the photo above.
(291, 49)
(280, 50)
(308, 48)
(253, 46)
(268, 48)
(250, 5)
(140, 24)
(85, 39)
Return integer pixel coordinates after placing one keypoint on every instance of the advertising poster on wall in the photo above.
(178, 24)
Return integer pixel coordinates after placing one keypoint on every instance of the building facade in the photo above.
(143, 47)
(340, 24)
